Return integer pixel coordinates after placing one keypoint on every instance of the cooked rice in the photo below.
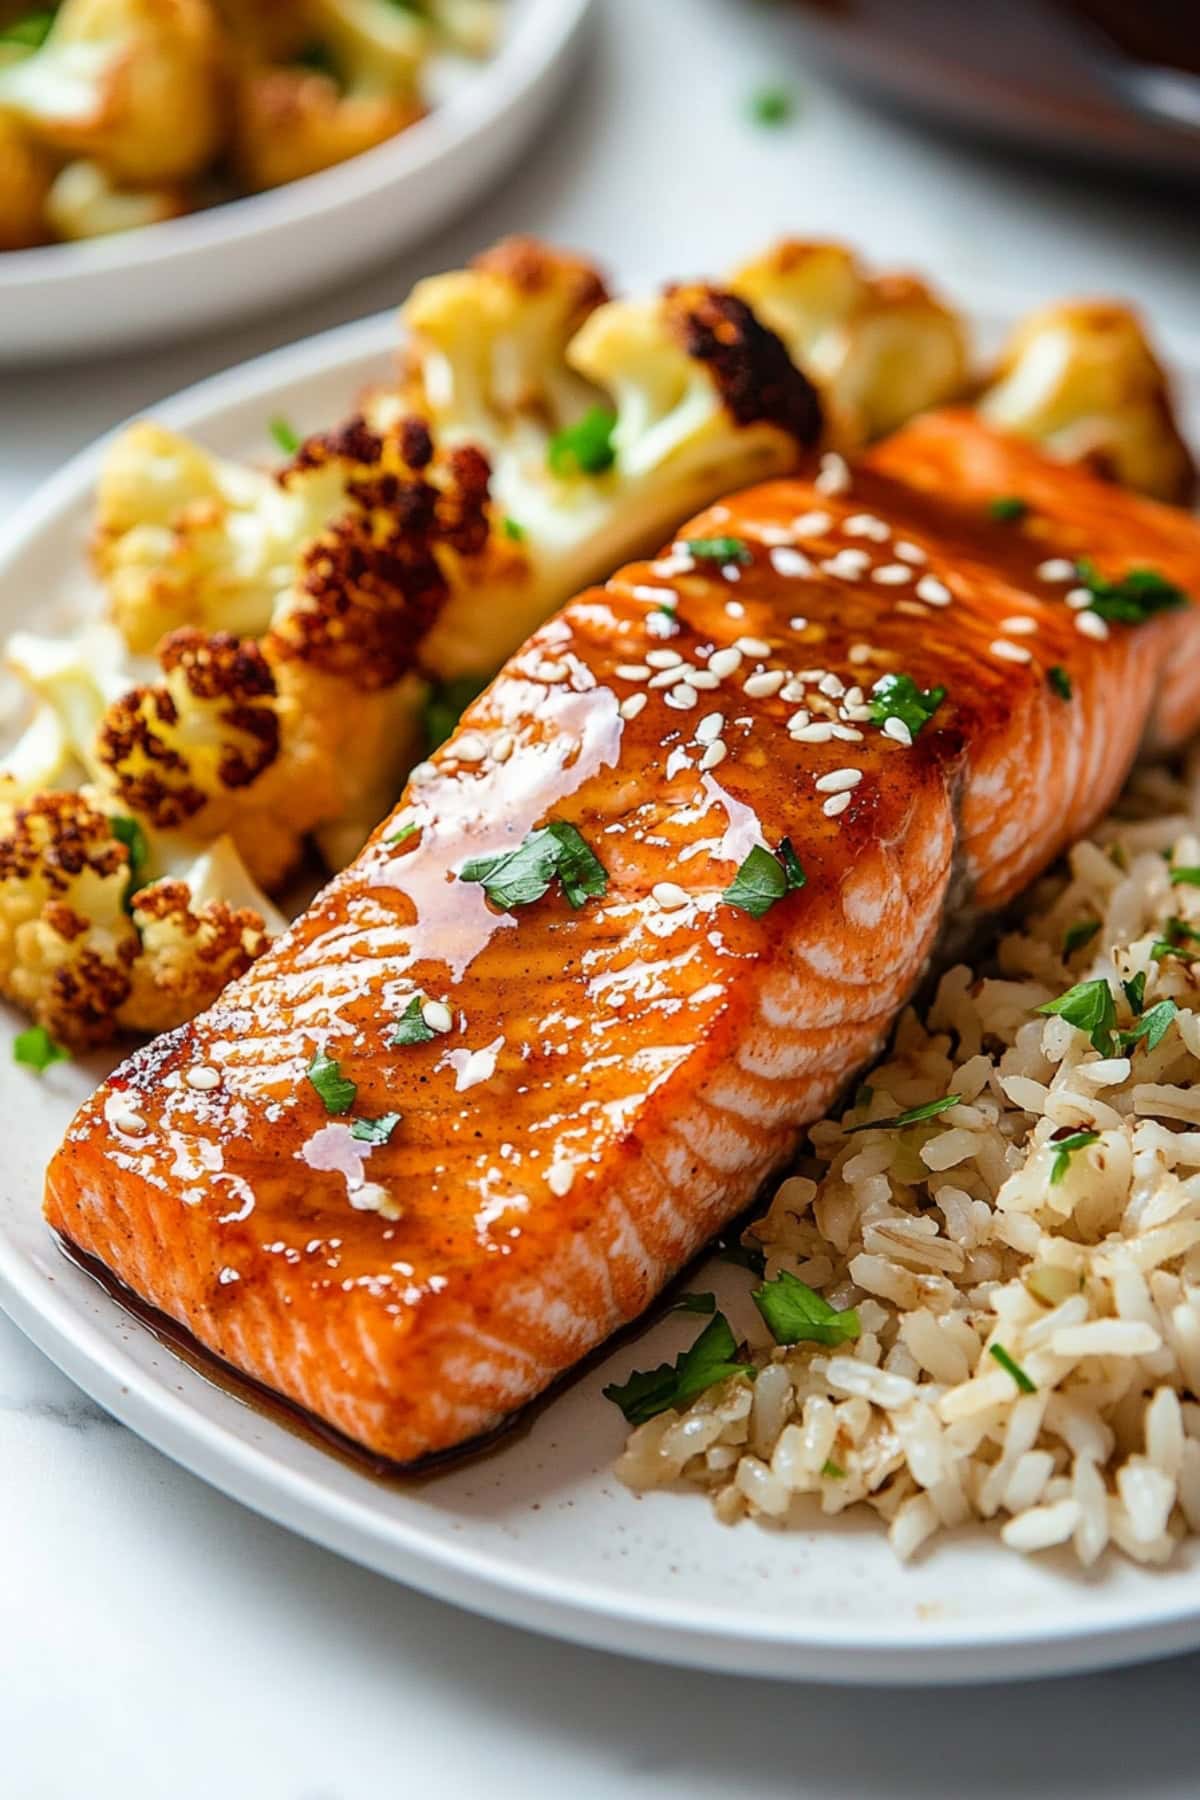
(949, 1237)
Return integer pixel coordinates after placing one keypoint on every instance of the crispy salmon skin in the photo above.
(599, 1050)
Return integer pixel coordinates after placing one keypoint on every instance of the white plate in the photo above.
(536, 1532)
(164, 281)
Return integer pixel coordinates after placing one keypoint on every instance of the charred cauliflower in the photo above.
(1080, 377)
(108, 77)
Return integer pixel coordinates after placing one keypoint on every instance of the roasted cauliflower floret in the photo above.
(1080, 378)
(26, 177)
(85, 202)
(135, 85)
(71, 680)
(879, 348)
(88, 954)
(292, 121)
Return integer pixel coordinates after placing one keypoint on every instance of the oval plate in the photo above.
(536, 1532)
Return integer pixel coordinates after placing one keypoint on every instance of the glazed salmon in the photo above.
(599, 1049)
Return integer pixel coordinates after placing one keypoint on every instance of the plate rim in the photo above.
(581, 1611)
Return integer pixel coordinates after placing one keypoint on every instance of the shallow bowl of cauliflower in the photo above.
(169, 165)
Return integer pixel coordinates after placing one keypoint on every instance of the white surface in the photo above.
(159, 1640)
(229, 262)
(537, 1532)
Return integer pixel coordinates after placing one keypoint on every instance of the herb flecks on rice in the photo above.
(1006, 1224)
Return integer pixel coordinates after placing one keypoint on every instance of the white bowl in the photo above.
(164, 281)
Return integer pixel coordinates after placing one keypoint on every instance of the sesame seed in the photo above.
(122, 1116)
(632, 705)
(1019, 627)
(1007, 652)
(799, 720)
(847, 734)
(725, 662)
(833, 685)
(833, 476)
(663, 659)
(503, 747)
(470, 748)
(838, 781)
(1078, 598)
(859, 653)
(810, 674)
(866, 525)
(909, 553)
(847, 565)
(669, 896)
(714, 753)
(819, 732)
(811, 524)
(934, 591)
(678, 563)
(548, 670)
(896, 728)
(859, 713)
(682, 697)
(734, 609)
(372, 1197)
(752, 646)
(854, 695)
(560, 1178)
(790, 563)
(437, 1015)
(203, 1078)
(704, 679)
(792, 690)
(664, 678)
(764, 683)
(657, 596)
(836, 803)
(636, 671)
(662, 624)
(1056, 568)
(772, 534)
(1091, 625)
(892, 574)
(912, 608)
(711, 726)
(798, 623)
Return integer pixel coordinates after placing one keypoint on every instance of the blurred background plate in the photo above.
(165, 281)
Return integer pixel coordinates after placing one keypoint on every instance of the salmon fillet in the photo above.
(600, 1087)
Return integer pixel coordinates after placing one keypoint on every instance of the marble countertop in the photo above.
(157, 1639)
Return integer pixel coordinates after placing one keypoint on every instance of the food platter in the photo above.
(535, 1531)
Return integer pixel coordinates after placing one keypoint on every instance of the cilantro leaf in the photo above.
(336, 1090)
(696, 1303)
(771, 106)
(1008, 509)
(832, 1472)
(719, 549)
(1060, 681)
(913, 1116)
(375, 1131)
(411, 1027)
(30, 32)
(1012, 1368)
(1152, 1026)
(127, 831)
(742, 1256)
(1079, 934)
(764, 878)
(585, 448)
(403, 834)
(1064, 1148)
(795, 1314)
(513, 529)
(649, 1392)
(1134, 597)
(37, 1050)
(521, 876)
(1185, 877)
(1174, 942)
(285, 435)
(445, 706)
(1089, 1007)
(899, 697)
(1135, 991)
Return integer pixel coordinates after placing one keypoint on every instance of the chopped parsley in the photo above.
(771, 106)
(37, 1050)
(696, 1303)
(795, 1313)
(336, 1090)
(719, 549)
(742, 1256)
(913, 1116)
(1134, 597)
(1185, 877)
(649, 1392)
(375, 1131)
(1064, 1149)
(1060, 681)
(1079, 934)
(285, 435)
(403, 834)
(1012, 1368)
(864, 1094)
(513, 529)
(832, 1472)
(585, 448)
(1089, 1007)
(1135, 992)
(1174, 942)
(411, 1027)
(127, 831)
(30, 32)
(521, 876)
(899, 697)
(445, 706)
(1151, 1028)
(765, 878)
(1008, 509)
(316, 57)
